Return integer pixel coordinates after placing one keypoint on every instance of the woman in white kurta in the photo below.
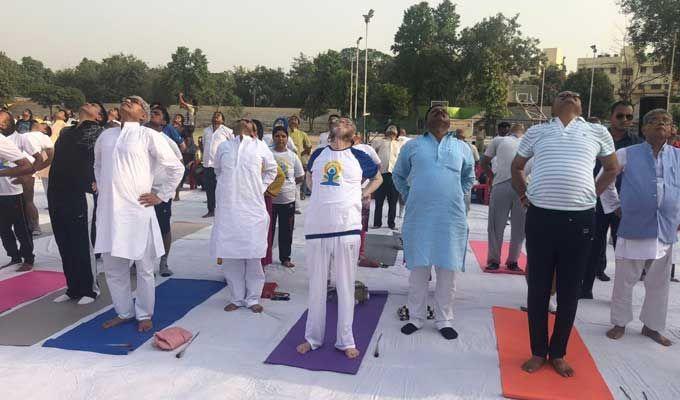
(244, 167)
(127, 229)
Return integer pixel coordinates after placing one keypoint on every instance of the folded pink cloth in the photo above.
(171, 338)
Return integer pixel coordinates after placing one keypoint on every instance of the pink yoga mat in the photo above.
(29, 286)
(481, 249)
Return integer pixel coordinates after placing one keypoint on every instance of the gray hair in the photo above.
(145, 106)
(652, 114)
(393, 129)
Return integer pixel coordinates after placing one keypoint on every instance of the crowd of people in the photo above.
(111, 178)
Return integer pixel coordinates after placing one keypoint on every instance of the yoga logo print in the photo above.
(332, 172)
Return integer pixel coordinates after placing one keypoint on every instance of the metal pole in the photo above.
(351, 83)
(542, 89)
(592, 80)
(670, 80)
(367, 19)
(356, 84)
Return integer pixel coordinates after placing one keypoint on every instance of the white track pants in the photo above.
(657, 280)
(117, 271)
(444, 294)
(344, 251)
(245, 279)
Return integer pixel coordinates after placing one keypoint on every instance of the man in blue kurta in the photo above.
(433, 172)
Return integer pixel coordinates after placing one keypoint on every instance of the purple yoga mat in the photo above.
(327, 357)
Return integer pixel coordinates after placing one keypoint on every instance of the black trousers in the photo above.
(68, 213)
(597, 260)
(210, 184)
(285, 214)
(13, 227)
(558, 243)
(388, 190)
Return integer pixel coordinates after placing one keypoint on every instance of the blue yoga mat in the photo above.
(174, 298)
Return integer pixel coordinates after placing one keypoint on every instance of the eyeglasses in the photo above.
(620, 117)
(565, 95)
(660, 122)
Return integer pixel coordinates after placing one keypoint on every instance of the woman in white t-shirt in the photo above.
(284, 204)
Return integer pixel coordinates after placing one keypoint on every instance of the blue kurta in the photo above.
(432, 177)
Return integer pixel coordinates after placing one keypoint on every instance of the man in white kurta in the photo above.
(332, 232)
(213, 136)
(244, 167)
(127, 230)
(650, 215)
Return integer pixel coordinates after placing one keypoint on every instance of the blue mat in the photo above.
(174, 298)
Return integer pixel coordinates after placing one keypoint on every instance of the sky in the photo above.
(271, 32)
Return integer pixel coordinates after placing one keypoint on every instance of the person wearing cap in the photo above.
(560, 219)
(245, 167)
(332, 232)
(213, 136)
(433, 173)
(69, 197)
(504, 200)
(127, 160)
(388, 149)
(648, 206)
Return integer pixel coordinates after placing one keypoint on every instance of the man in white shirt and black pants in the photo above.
(213, 136)
(13, 163)
(561, 201)
(650, 214)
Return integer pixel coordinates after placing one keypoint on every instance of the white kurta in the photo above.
(245, 167)
(125, 159)
(211, 141)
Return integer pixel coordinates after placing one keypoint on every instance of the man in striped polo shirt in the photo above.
(561, 200)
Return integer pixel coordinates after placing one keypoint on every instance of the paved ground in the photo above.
(226, 361)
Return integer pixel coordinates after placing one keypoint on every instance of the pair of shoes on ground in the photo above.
(25, 266)
(82, 301)
(511, 266)
(447, 332)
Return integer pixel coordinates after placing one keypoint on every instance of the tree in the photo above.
(124, 75)
(603, 91)
(189, 70)
(389, 101)
(72, 98)
(555, 75)
(32, 73)
(220, 90)
(86, 77)
(46, 95)
(8, 71)
(655, 26)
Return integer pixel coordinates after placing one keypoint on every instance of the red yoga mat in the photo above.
(512, 334)
(481, 249)
(29, 286)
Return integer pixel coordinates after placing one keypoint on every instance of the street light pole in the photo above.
(670, 80)
(351, 83)
(367, 19)
(356, 83)
(542, 89)
(592, 80)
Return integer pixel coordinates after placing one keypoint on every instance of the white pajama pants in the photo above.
(657, 280)
(117, 271)
(344, 251)
(245, 280)
(445, 290)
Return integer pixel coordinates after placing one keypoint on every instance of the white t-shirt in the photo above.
(502, 150)
(40, 138)
(335, 206)
(9, 153)
(292, 168)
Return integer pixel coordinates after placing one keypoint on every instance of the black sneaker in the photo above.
(513, 267)
(493, 266)
(448, 333)
(603, 277)
(13, 261)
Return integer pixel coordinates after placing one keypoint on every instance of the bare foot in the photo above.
(115, 322)
(304, 348)
(288, 264)
(144, 325)
(562, 368)
(533, 364)
(352, 353)
(231, 307)
(656, 336)
(616, 332)
(256, 308)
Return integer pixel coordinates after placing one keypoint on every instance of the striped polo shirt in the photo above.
(563, 162)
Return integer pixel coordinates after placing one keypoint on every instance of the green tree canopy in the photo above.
(603, 91)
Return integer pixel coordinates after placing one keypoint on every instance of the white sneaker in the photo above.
(85, 300)
(60, 299)
(553, 304)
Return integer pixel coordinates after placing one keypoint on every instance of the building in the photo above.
(632, 80)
